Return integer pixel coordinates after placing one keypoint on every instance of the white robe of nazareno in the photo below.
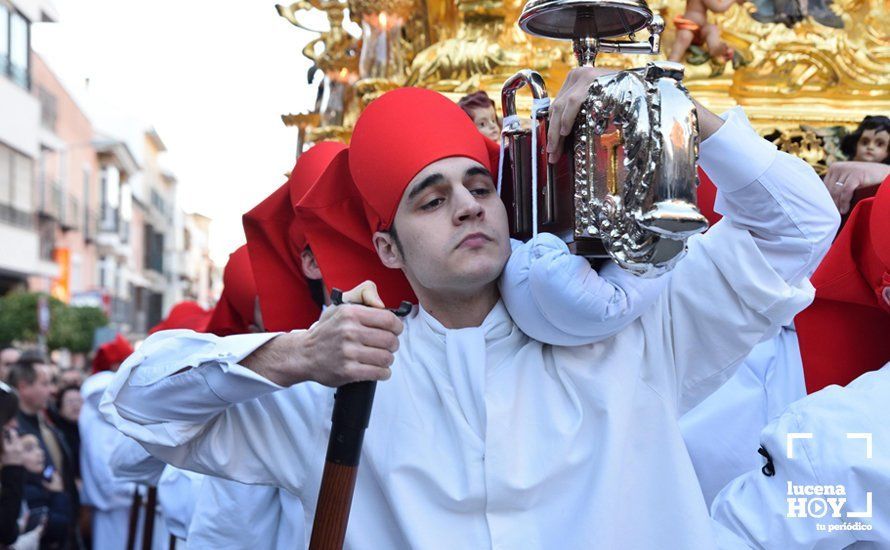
(832, 444)
(110, 496)
(234, 516)
(487, 438)
(722, 433)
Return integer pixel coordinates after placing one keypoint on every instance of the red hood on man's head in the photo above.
(398, 135)
(234, 313)
(184, 315)
(111, 354)
(275, 241)
(844, 333)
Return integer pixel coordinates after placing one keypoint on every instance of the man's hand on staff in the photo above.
(845, 177)
(349, 343)
(565, 107)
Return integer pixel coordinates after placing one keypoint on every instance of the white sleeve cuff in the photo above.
(735, 155)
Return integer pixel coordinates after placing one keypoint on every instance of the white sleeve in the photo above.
(130, 462)
(185, 398)
(747, 276)
(778, 198)
(556, 297)
(839, 441)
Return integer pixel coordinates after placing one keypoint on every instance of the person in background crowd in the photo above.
(44, 489)
(70, 377)
(31, 378)
(12, 475)
(8, 356)
(482, 111)
(64, 417)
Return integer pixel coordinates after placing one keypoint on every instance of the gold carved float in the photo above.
(805, 71)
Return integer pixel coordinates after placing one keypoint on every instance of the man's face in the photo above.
(872, 146)
(486, 121)
(452, 227)
(36, 395)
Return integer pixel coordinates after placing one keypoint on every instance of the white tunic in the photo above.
(483, 437)
(110, 496)
(723, 432)
(234, 516)
(177, 492)
(755, 506)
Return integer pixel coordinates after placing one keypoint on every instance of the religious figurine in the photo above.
(694, 30)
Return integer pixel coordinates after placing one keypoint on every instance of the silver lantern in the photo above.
(626, 188)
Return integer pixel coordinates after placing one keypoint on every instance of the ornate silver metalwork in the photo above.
(634, 154)
(632, 172)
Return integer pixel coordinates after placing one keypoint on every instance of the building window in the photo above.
(154, 248)
(15, 188)
(4, 39)
(15, 40)
(48, 108)
(47, 235)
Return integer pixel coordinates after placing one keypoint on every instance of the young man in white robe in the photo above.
(482, 437)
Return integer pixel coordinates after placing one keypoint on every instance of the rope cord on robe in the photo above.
(352, 412)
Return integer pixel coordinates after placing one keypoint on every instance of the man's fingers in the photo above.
(553, 138)
(378, 318)
(377, 338)
(363, 373)
(846, 195)
(374, 357)
(365, 293)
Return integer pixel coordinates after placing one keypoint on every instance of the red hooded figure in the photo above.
(275, 241)
(846, 331)
(234, 313)
(333, 218)
(184, 315)
(110, 355)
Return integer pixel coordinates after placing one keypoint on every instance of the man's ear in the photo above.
(387, 250)
(309, 265)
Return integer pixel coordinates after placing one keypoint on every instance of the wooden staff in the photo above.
(148, 528)
(134, 519)
(352, 411)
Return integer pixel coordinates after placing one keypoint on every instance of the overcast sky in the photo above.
(212, 77)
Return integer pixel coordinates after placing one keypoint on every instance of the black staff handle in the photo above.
(352, 412)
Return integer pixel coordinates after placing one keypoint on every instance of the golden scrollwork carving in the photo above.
(334, 50)
(486, 49)
(807, 69)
